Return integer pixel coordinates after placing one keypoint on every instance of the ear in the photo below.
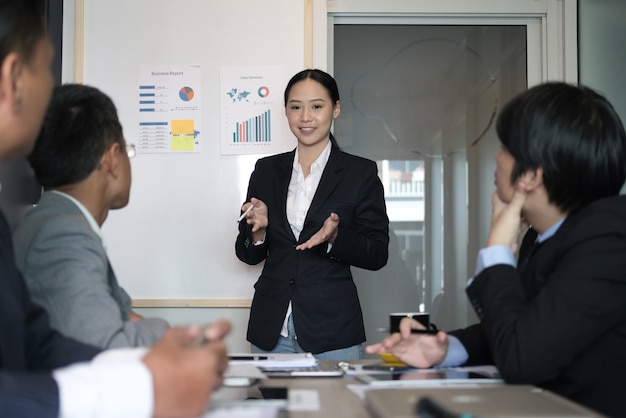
(11, 82)
(337, 110)
(533, 179)
(109, 162)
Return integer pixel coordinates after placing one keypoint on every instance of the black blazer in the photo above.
(29, 348)
(560, 322)
(326, 309)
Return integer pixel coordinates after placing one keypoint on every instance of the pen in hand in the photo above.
(211, 333)
(201, 339)
(427, 331)
(431, 329)
(243, 215)
(204, 337)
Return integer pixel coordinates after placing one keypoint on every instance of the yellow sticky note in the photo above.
(182, 135)
(182, 143)
(182, 127)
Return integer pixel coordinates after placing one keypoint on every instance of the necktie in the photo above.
(528, 247)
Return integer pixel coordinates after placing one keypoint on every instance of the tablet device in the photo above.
(417, 376)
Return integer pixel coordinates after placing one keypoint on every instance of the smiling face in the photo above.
(310, 112)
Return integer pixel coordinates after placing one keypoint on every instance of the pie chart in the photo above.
(186, 94)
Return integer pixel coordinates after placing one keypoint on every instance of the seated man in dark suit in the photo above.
(557, 317)
(43, 373)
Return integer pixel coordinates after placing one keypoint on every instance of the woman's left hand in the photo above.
(327, 233)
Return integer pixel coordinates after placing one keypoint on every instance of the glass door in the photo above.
(420, 97)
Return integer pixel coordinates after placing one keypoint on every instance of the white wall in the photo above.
(175, 239)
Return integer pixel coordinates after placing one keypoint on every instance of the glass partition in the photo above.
(421, 100)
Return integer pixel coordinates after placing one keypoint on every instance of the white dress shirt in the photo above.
(299, 197)
(116, 383)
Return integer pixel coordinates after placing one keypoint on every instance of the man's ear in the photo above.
(109, 160)
(11, 82)
(533, 179)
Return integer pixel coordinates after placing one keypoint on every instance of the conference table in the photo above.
(331, 397)
(335, 397)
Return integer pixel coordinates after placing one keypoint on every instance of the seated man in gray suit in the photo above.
(81, 160)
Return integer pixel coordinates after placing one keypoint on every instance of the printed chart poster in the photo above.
(169, 109)
(252, 110)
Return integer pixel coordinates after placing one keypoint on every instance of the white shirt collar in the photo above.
(319, 163)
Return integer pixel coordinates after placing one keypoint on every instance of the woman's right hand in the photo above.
(257, 218)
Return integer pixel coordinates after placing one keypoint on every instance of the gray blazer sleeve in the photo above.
(68, 273)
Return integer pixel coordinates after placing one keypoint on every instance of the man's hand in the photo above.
(417, 350)
(185, 375)
(327, 233)
(506, 219)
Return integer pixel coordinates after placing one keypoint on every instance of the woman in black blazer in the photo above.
(315, 212)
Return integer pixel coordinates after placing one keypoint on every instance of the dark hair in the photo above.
(573, 134)
(324, 79)
(81, 123)
(22, 26)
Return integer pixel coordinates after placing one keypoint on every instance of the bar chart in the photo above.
(254, 129)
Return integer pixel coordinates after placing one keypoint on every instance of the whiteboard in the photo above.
(175, 239)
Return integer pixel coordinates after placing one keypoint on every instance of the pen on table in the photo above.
(243, 215)
(429, 331)
(252, 357)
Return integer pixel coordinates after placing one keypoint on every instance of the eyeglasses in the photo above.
(131, 150)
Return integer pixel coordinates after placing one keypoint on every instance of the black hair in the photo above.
(573, 134)
(22, 26)
(325, 79)
(80, 125)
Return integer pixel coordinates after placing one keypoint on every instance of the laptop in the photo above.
(502, 401)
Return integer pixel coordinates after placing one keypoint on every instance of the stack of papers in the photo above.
(274, 361)
(251, 408)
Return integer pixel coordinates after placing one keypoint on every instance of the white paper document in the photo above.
(249, 409)
(270, 361)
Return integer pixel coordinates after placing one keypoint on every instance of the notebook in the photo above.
(502, 401)
(285, 365)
